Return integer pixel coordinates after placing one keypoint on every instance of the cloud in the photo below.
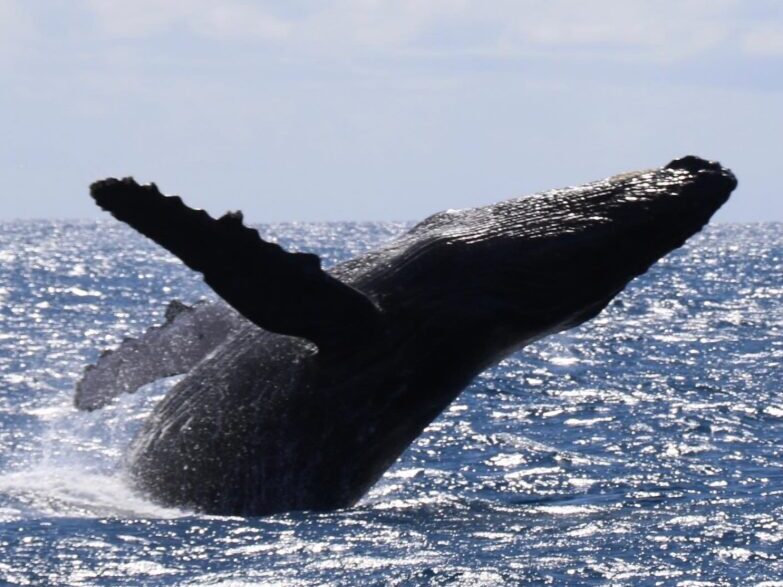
(222, 20)
(660, 31)
(381, 23)
(234, 19)
(16, 26)
(764, 41)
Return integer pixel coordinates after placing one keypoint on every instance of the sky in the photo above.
(381, 110)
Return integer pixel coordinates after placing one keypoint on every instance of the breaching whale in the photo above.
(311, 384)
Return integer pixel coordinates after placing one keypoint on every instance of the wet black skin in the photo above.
(271, 422)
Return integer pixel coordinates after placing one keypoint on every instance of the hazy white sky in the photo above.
(373, 109)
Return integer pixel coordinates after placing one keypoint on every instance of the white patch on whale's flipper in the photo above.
(189, 334)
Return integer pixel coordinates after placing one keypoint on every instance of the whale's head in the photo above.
(578, 247)
(569, 252)
(542, 263)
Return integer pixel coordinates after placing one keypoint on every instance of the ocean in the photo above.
(642, 448)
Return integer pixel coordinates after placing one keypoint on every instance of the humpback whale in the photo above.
(304, 385)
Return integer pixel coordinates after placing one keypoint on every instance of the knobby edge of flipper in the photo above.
(286, 293)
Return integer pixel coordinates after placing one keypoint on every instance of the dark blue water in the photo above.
(645, 447)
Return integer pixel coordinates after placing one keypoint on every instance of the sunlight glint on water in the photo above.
(642, 447)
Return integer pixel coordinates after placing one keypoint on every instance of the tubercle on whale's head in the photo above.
(708, 186)
(695, 164)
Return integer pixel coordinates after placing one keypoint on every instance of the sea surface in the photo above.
(642, 448)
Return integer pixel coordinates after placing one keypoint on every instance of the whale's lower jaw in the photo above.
(309, 417)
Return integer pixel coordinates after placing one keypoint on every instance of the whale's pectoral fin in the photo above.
(283, 292)
(188, 335)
